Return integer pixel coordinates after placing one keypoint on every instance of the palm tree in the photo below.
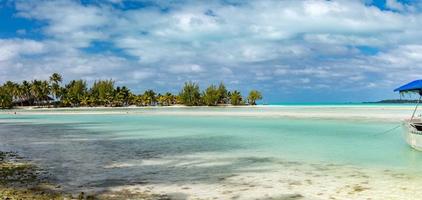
(166, 99)
(254, 95)
(103, 91)
(45, 91)
(13, 89)
(74, 92)
(6, 100)
(223, 94)
(131, 99)
(124, 94)
(55, 80)
(139, 101)
(119, 97)
(36, 91)
(160, 99)
(18, 93)
(190, 94)
(169, 98)
(149, 97)
(236, 98)
(85, 100)
(109, 99)
(211, 96)
(26, 90)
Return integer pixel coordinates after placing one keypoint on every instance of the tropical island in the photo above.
(51, 93)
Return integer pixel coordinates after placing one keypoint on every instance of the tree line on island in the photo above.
(104, 93)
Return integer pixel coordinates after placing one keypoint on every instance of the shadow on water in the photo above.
(97, 160)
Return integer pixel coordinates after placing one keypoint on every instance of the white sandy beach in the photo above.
(386, 113)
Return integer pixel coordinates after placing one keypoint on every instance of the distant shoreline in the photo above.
(362, 104)
(396, 101)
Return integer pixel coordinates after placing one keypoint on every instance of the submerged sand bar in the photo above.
(364, 112)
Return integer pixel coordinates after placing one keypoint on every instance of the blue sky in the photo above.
(293, 51)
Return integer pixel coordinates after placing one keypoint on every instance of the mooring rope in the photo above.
(387, 131)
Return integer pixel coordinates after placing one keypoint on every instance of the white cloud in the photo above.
(249, 42)
(142, 74)
(187, 68)
(12, 48)
(405, 60)
(68, 21)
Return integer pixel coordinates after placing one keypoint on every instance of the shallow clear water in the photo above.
(80, 150)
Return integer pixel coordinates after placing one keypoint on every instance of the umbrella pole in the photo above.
(413, 115)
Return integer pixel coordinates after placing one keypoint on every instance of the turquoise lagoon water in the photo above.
(78, 149)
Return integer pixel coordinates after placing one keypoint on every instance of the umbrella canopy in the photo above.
(414, 86)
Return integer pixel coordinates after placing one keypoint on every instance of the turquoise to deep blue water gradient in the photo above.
(76, 147)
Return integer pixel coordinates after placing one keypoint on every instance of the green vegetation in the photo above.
(5, 99)
(190, 94)
(254, 95)
(223, 94)
(211, 96)
(236, 98)
(105, 93)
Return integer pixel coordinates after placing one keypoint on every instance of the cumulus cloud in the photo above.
(13, 48)
(311, 44)
(68, 21)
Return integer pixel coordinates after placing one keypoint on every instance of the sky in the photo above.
(290, 50)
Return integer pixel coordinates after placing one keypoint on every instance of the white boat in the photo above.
(413, 133)
(413, 127)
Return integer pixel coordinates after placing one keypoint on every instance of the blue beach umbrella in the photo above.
(414, 86)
